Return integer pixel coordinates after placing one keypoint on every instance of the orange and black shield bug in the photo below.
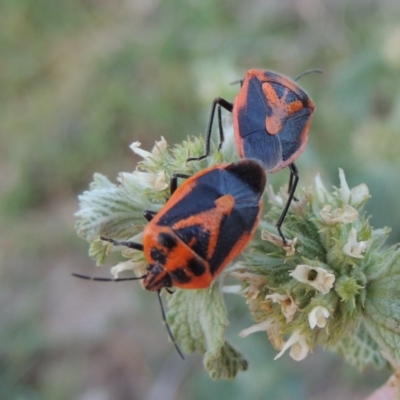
(204, 225)
(271, 121)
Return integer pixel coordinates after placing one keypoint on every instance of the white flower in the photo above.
(318, 278)
(139, 267)
(318, 316)
(322, 194)
(353, 248)
(158, 148)
(289, 307)
(121, 267)
(145, 179)
(135, 146)
(290, 245)
(262, 326)
(231, 288)
(272, 329)
(150, 180)
(344, 215)
(298, 344)
(354, 196)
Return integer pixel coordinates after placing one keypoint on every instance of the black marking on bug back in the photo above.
(233, 226)
(179, 275)
(245, 181)
(290, 134)
(249, 173)
(201, 198)
(252, 116)
(158, 256)
(196, 267)
(197, 237)
(166, 240)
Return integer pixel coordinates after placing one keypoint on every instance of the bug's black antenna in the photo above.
(164, 318)
(100, 279)
(309, 71)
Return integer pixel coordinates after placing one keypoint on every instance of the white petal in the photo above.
(262, 326)
(354, 196)
(121, 267)
(319, 278)
(322, 193)
(344, 187)
(359, 194)
(298, 344)
(299, 350)
(135, 146)
(146, 179)
(353, 248)
(160, 183)
(231, 289)
(159, 147)
(277, 297)
(318, 316)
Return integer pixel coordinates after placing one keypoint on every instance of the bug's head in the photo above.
(156, 278)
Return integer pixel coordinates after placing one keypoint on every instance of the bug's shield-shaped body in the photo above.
(271, 117)
(205, 224)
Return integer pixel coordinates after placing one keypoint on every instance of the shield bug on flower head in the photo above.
(204, 225)
(271, 121)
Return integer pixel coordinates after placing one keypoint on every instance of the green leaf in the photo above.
(382, 312)
(360, 349)
(108, 210)
(225, 363)
(198, 321)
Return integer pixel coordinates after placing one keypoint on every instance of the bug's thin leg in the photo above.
(291, 178)
(131, 245)
(220, 129)
(294, 171)
(221, 103)
(164, 318)
(174, 181)
(100, 279)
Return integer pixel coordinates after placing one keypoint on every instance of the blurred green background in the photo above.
(80, 80)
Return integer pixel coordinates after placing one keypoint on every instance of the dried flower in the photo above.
(289, 246)
(289, 307)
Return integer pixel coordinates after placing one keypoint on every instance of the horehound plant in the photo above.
(333, 283)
